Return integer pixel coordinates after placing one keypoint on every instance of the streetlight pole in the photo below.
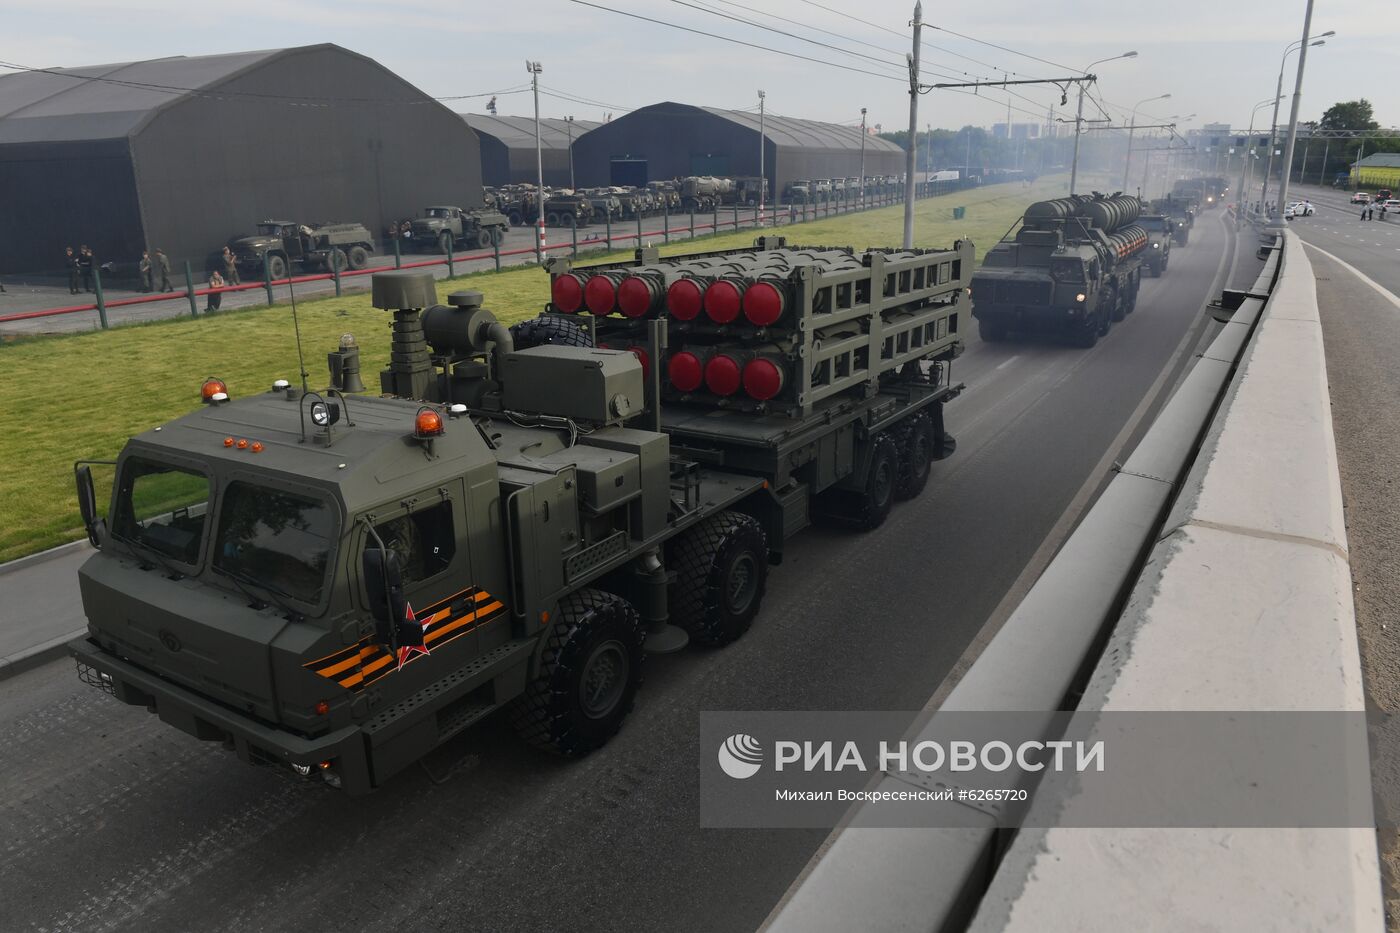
(762, 169)
(862, 157)
(1293, 114)
(911, 155)
(569, 123)
(1132, 127)
(1273, 123)
(1079, 120)
(534, 69)
(1244, 161)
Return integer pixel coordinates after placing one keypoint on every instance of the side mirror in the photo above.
(87, 504)
(384, 584)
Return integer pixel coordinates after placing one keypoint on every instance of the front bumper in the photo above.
(1031, 318)
(253, 741)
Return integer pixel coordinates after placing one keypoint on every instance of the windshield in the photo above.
(162, 507)
(1067, 271)
(439, 212)
(270, 229)
(1153, 223)
(279, 540)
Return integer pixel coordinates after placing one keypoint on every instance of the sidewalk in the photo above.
(40, 610)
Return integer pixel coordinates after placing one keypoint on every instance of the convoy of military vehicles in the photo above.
(281, 245)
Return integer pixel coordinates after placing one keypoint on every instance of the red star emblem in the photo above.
(407, 652)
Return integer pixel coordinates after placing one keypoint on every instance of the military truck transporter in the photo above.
(281, 245)
(444, 227)
(334, 585)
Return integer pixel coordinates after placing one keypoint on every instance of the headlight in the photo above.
(1156, 245)
(1079, 297)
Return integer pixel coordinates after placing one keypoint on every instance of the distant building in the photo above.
(508, 147)
(670, 140)
(1018, 130)
(1380, 170)
(183, 153)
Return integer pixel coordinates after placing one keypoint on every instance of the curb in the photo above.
(29, 560)
(40, 654)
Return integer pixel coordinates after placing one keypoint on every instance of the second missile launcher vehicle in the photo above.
(1073, 267)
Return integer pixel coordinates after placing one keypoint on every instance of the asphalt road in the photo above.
(116, 821)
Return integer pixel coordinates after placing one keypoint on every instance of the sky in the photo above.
(1216, 58)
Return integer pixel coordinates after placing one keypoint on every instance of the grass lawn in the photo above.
(80, 396)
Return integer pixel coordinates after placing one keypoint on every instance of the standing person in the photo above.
(231, 268)
(85, 266)
(145, 267)
(215, 298)
(70, 260)
(163, 266)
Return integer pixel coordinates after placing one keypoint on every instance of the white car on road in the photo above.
(1299, 209)
(1361, 197)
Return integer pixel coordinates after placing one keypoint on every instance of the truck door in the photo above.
(428, 533)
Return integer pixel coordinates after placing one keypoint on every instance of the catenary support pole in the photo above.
(911, 154)
(1287, 172)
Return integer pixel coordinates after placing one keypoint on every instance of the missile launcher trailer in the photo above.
(334, 585)
(1073, 267)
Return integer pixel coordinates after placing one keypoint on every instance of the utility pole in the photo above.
(1293, 117)
(534, 69)
(1132, 126)
(909, 157)
(1273, 122)
(762, 169)
(1079, 119)
(569, 123)
(1009, 144)
(862, 157)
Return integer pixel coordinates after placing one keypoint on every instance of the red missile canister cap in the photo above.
(634, 296)
(684, 371)
(722, 374)
(684, 299)
(763, 303)
(600, 295)
(567, 292)
(722, 301)
(763, 379)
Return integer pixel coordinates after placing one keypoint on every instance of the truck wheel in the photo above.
(276, 267)
(335, 260)
(915, 442)
(587, 676)
(444, 242)
(551, 219)
(721, 571)
(483, 239)
(567, 220)
(498, 235)
(1119, 310)
(515, 218)
(556, 330)
(991, 331)
(1088, 334)
(358, 257)
(867, 508)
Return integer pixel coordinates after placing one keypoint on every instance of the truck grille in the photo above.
(1021, 293)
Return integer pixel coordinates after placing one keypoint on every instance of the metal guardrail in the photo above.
(933, 879)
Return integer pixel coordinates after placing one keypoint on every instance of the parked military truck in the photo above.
(705, 192)
(1073, 267)
(333, 585)
(1160, 232)
(284, 245)
(568, 209)
(443, 227)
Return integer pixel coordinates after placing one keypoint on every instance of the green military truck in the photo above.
(1182, 214)
(444, 227)
(1160, 231)
(282, 245)
(333, 585)
(1074, 267)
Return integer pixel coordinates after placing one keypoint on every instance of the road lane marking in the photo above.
(1384, 292)
(1007, 362)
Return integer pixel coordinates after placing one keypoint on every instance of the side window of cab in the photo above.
(424, 540)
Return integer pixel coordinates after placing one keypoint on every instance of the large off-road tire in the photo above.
(483, 238)
(276, 267)
(721, 568)
(586, 676)
(1087, 336)
(444, 242)
(1120, 306)
(516, 218)
(914, 439)
(868, 507)
(358, 257)
(498, 235)
(551, 219)
(556, 330)
(336, 260)
(991, 331)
